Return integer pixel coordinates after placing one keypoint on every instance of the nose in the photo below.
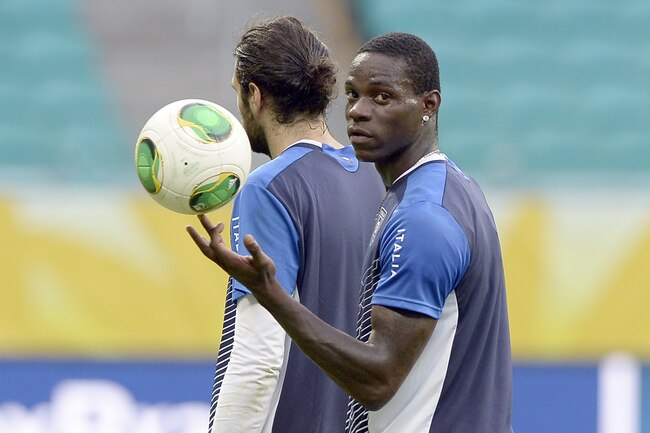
(358, 110)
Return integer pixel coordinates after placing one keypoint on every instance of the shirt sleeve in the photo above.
(251, 378)
(423, 255)
(258, 212)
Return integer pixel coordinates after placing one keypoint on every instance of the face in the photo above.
(383, 113)
(253, 129)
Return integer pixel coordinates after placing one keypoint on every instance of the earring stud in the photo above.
(425, 118)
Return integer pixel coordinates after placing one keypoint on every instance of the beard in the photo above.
(255, 132)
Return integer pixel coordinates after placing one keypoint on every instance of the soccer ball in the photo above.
(192, 156)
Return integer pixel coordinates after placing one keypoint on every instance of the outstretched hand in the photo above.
(257, 271)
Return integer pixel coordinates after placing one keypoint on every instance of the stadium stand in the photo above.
(56, 118)
(558, 88)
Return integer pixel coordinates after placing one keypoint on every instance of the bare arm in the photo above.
(370, 372)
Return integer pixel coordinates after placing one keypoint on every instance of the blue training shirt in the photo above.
(435, 251)
(311, 209)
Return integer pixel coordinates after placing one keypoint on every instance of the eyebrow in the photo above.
(374, 82)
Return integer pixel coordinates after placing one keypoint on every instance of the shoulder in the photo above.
(422, 215)
(428, 226)
(425, 184)
(267, 172)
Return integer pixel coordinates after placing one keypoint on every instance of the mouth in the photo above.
(358, 135)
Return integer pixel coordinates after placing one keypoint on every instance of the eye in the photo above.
(382, 98)
(350, 94)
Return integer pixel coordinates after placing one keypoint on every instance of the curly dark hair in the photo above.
(421, 61)
(290, 65)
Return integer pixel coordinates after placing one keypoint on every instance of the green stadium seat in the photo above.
(56, 119)
(26, 16)
(547, 87)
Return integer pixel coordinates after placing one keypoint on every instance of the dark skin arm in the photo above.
(370, 372)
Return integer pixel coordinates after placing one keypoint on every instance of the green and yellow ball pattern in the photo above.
(207, 123)
(215, 194)
(147, 160)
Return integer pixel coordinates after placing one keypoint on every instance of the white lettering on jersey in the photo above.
(234, 227)
(397, 246)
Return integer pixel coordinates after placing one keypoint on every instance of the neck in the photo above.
(391, 169)
(281, 136)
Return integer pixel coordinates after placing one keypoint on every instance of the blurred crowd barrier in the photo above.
(103, 396)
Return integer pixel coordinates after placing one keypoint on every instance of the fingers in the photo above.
(205, 222)
(216, 250)
(259, 257)
(199, 240)
(215, 241)
(251, 245)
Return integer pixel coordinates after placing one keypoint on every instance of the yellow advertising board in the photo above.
(114, 274)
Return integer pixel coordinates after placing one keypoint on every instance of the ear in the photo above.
(255, 99)
(432, 101)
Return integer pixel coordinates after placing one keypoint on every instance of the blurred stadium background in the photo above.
(109, 317)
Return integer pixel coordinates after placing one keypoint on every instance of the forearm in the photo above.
(370, 372)
(363, 370)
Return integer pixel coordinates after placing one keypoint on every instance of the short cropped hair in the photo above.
(289, 64)
(422, 63)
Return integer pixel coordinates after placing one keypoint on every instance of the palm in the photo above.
(252, 271)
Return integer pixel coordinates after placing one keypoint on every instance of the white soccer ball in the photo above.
(193, 156)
